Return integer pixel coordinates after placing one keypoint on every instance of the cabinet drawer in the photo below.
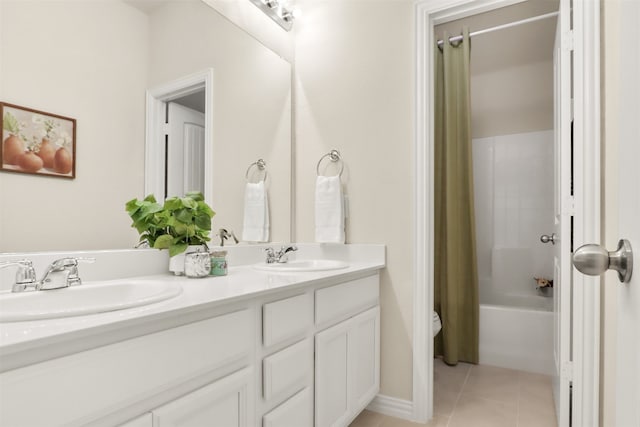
(337, 302)
(287, 370)
(295, 412)
(285, 319)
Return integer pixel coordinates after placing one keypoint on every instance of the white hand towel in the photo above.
(329, 210)
(256, 213)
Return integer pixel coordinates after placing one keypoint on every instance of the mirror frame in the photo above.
(157, 98)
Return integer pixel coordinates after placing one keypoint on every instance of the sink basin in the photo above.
(302, 266)
(83, 299)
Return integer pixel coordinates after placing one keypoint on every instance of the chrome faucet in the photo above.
(62, 273)
(224, 235)
(281, 256)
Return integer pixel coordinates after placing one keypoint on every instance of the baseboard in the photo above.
(392, 406)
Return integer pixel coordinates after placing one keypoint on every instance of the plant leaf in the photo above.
(132, 206)
(188, 202)
(195, 195)
(183, 215)
(172, 204)
(203, 221)
(163, 242)
(177, 248)
(180, 229)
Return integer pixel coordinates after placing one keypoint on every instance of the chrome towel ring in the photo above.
(261, 166)
(334, 156)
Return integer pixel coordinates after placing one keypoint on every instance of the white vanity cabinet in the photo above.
(299, 357)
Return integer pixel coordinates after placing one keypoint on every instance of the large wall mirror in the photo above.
(94, 61)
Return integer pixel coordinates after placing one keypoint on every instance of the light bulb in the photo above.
(287, 16)
(271, 4)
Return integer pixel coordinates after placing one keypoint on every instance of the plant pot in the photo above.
(176, 263)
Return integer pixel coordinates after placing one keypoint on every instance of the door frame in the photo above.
(586, 296)
(157, 98)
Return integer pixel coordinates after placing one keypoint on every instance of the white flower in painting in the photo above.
(63, 139)
(37, 119)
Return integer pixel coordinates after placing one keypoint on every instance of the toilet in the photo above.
(437, 324)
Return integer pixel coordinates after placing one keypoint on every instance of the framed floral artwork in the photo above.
(35, 142)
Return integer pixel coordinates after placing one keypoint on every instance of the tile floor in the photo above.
(481, 396)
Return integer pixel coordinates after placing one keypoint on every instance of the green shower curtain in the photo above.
(456, 276)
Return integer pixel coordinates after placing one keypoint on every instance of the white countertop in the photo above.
(23, 343)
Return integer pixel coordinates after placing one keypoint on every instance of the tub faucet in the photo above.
(281, 256)
(62, 273)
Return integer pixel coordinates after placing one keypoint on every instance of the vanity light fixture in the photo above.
(277, 11)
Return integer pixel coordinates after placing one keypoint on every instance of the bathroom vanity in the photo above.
(251, 348)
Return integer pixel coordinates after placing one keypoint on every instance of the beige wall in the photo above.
(252, 105)
(354, 92)
(68, 58)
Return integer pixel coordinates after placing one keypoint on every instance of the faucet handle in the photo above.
(25, 275)
(70, 262)
(73, 278)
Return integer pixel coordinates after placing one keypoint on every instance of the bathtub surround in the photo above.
(456, 276)
(513, 180)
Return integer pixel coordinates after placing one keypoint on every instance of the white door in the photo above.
(562, 217)
(185, 150)
(628, 302)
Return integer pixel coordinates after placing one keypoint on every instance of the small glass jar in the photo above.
(218, 263)
(197, 264)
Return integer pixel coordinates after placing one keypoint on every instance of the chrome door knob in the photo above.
(594, 260)
(546, 239)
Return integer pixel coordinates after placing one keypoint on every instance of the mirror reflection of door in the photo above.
(184, 145)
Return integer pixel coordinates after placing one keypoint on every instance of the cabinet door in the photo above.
(332, 401)
(226, 402)
(364, 359)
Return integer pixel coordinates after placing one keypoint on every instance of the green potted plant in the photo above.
(179, 223)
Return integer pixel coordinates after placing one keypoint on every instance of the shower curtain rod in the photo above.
(502, 27)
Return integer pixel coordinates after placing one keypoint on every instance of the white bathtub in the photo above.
(518, 338)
